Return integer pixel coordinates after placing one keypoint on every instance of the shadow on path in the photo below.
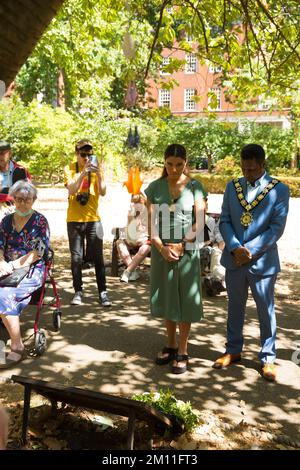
(112, 350)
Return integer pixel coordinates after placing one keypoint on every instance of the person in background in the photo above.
(24, 239)
(176, 220)
(210, 256)
(10, 173)
(136, 237)
(85, 183)
(253, 218)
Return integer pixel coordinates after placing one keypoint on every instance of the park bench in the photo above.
(92, 400)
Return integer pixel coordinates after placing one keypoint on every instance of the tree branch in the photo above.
(201, 22)
(268, 14)
(249, 23)
(224, 29)
(161, 13)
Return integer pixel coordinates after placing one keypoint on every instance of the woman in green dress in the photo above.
(176, 210)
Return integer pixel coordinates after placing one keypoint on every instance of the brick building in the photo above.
(197, 83)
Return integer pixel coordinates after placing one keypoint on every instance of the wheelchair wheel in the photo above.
(40, 342)
(56, 320)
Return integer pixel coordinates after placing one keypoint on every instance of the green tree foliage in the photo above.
(44, 138)
(217, 140)
(256, 43)
(85, 42)
(41, 137)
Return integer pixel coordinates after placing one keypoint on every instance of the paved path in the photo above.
(112, 350)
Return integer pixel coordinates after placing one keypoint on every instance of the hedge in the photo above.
(216, 184)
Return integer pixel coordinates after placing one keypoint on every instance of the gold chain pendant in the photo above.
(246, 219)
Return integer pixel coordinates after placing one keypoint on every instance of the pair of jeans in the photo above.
(92, 232)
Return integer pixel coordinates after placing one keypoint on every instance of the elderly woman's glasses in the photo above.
(26, 200)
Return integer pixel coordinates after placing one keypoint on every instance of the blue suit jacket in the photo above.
(269, 219)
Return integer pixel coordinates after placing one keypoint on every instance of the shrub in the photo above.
(216, 184)
(43, 138)
(228, 166)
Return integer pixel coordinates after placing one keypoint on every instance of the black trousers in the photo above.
(92, 232)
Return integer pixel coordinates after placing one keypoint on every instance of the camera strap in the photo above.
(89, 177)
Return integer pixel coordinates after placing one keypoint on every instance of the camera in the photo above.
(82, 198)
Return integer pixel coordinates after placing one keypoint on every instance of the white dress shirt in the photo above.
(253, 191)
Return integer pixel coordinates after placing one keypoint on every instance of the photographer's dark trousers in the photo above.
(93, 233)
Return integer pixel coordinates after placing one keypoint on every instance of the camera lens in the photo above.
(82, 198)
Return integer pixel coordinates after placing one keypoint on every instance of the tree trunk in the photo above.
(295, 154)
(209, 163)
(61, 90)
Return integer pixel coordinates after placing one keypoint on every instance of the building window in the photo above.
(214, 103)
(164, 64)
(215, 68)
(190, 63)
(189, 102)
(164, 98)
(264, 104)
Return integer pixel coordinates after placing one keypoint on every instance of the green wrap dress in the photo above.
(175, 287)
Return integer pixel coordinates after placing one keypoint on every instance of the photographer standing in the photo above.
(85, 184)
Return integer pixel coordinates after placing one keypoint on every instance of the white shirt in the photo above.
(213, 229)
(6, 177)
(253, 191)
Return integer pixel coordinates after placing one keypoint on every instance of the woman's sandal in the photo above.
(161, 361)
(11, 362)
(180, 358)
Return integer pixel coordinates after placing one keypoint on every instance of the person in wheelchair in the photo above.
(210, 256)
(24, 240)
(135, 238)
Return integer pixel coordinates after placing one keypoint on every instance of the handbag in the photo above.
(14, 279)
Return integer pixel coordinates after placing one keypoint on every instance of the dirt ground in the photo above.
(112, 350)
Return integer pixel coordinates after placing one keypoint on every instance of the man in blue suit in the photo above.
(253, 218)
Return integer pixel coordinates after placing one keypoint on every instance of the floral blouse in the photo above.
(34, 235)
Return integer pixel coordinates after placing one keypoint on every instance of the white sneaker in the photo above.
(77, 299)
(104, 299)
(125, 276)
(134, 276)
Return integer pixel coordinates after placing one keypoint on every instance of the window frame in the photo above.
(189, 100)
(160, 105)
(189, 62)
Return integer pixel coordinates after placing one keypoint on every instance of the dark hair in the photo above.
(253, 152)
(174, 150)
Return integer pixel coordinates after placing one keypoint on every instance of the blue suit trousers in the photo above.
(238, 282)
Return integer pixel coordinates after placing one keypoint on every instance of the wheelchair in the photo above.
(38, 299)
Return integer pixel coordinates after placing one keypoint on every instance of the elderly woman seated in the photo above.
(136, 237)
(24, 238)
